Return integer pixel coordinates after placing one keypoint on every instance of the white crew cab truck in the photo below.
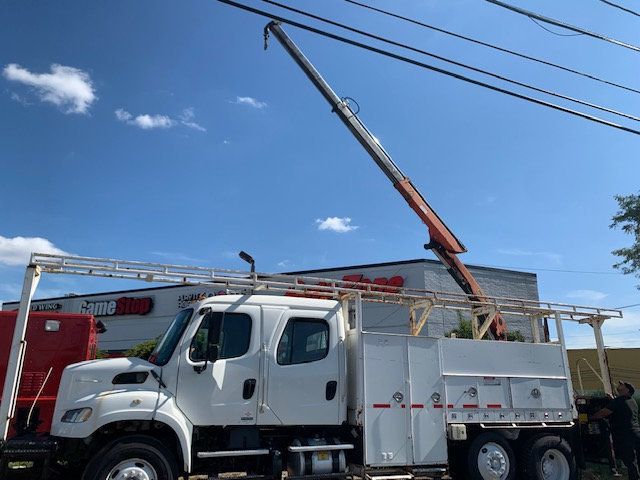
(257, 383)
(262, 383)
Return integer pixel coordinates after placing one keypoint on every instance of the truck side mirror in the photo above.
(215, 326)
(213, 322)
(214, 353)
(213, 337)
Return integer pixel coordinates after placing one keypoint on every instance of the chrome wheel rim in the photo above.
(133, 469)
(493, 462)
(555, 465)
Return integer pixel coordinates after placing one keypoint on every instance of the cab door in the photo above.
(224, 391)
(303, 380)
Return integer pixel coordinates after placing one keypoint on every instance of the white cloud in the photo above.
(147, 121)
(144, 121)
(20, 99)
(554, 257)
(336, 224)
(10, 292)
(66, 87)
(617, 332)
(188, 120)
(226, 142)
(17, 250)
(285, 264)
(587, 295)
(250, 101)
(123, 115)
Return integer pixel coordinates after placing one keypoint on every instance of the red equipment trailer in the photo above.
(54, 340)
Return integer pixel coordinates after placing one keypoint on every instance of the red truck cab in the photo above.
(54, 341)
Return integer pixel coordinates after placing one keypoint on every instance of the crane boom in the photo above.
(443, 242)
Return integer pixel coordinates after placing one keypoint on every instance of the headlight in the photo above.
(78, 415)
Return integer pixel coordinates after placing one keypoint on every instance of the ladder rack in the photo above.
(317, 287)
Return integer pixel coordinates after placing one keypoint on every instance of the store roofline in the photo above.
(299, 272)
(403, 262)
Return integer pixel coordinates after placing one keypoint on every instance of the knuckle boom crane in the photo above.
(443, 242)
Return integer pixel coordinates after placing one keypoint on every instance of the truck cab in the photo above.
(233, 376)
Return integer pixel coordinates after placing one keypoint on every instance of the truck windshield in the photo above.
(167, 344)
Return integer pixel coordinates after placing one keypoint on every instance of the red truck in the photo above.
(54, 340)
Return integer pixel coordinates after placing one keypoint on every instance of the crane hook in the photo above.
(266, 33)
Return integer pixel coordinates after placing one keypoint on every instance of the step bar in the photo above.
(320, 448)
(233, 453)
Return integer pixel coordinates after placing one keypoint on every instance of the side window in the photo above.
(303, 340)
(235, 335)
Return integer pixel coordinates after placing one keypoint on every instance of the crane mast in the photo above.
(443, 242)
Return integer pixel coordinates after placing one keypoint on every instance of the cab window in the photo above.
(235, 335)
(303, 340)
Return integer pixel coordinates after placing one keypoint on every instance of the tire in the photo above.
(548, 457)
(491, 457)
(138, 455)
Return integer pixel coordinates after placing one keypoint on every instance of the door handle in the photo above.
(248, 388)
(330, 391)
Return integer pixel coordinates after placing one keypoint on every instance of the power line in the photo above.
(557, 270)
(628, 306)
(431, 67)
(615, 5)
(551, 31)
(450, 61)
(559, 23)
(490, 45)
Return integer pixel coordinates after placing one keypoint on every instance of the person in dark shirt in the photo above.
(622, 413)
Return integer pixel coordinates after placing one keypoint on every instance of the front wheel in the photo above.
(548, 457)
(135, 457)
(491, 458)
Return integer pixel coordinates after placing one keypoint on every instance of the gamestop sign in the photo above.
(120, 306)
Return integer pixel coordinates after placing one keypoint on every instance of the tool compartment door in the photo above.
(386, 396)
(427, 420)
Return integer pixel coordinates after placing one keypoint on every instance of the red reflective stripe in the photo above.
(403, 406)
(469, 405)
(417, 405)
(381, 405)
(494, 405)
(438, 405)
(450, 405)
(31, 399)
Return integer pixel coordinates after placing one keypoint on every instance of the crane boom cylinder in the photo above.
(442, 240)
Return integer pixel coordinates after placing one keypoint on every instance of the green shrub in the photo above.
(464, 330)
(142, 350)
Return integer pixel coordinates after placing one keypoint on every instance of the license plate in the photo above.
(323, 455)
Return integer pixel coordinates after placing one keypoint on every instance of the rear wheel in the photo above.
(491, 457)
(132, 458)
(548, 457)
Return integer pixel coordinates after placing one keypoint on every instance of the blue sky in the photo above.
(162, 131)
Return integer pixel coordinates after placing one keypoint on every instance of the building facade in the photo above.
(133, 316)
(624, 365)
